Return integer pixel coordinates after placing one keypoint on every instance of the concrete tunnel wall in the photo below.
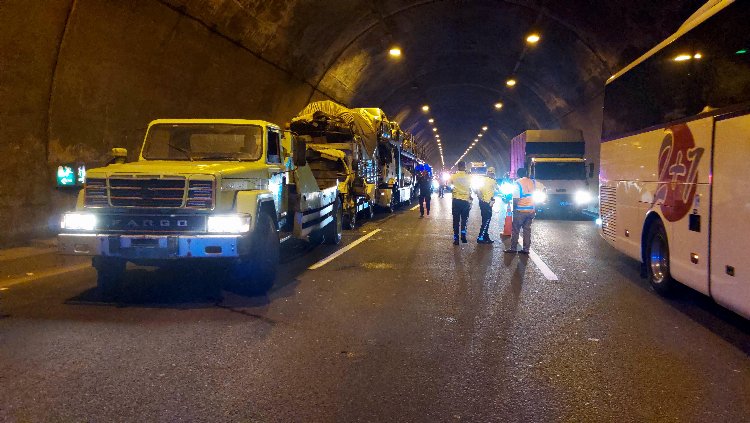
(99, 73)
(82, 77)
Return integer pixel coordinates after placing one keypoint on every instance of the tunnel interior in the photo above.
(82, 76)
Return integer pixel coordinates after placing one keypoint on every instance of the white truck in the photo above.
(219, 192)
(556, 159)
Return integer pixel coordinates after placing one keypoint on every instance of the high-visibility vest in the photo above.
(487, 190)
(462, 186)
(526, 188)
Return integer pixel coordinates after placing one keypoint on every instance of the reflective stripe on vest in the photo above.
(526, 202)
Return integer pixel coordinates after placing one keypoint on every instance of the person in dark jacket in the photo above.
(424, 181)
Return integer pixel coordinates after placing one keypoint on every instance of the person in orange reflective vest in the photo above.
(526, 193)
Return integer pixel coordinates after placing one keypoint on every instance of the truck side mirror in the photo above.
(119, 156)
(591, 170)
(299, 150)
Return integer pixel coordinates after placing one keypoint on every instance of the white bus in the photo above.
(675, 180)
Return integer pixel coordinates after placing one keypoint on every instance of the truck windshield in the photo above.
(203, 142)
(560, 170)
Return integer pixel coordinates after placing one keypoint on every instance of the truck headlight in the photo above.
(582, 197)
(539, 197)
(228, 224)
(78, 221)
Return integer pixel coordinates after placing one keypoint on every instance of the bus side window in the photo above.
(273, 152)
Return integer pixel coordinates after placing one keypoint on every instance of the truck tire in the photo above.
(350, 220)
(334, 231)
(391, 205)
(657, 260)
(255, 274)
(109, 271)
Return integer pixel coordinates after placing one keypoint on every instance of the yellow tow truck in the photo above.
(223, 192)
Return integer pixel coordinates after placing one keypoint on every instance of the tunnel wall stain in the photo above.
(30, 38)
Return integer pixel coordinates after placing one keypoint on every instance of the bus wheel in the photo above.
(657, 260)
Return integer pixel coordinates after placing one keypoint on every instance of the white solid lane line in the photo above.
(546, 271)
(342, 251)
(46, 274)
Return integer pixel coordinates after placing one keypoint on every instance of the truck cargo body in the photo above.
(342, 145)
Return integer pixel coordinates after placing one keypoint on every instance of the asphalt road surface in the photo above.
(402, 327)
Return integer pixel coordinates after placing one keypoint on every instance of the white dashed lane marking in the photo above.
(330, 258)
(546, 271)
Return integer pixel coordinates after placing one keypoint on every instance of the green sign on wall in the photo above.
(71, 175)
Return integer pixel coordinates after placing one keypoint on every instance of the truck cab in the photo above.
(565, 181)
(212, 191)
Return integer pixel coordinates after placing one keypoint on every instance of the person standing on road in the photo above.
(523, 210)
(486, 194)
(461, 203)
(424, 181)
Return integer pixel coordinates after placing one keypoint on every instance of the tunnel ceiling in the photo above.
(457, 55)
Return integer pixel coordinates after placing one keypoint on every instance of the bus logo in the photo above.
(678, 172)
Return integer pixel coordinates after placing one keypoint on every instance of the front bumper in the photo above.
(561, 202)
(148, 247)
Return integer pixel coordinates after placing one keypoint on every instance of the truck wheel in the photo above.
(657, 260)
(334, 231)
(350, 220)
(255, 274)
(109, 273)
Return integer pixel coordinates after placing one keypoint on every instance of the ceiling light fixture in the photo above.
(395, 52)
(533, 38)
(511, 82)
(425, 108)
(498, 106)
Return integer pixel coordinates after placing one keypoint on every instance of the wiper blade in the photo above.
(217, 157)
(181, 150)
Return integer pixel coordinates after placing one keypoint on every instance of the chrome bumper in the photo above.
(133, 247)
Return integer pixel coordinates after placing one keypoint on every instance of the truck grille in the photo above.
(95, 193)
(200, 194)
(608, 211)
(150, 192)
(147, 192)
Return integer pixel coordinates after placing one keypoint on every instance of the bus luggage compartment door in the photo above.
(730, 219)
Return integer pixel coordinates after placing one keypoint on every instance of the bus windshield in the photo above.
(203, 142)
(560, 171)
(706, 70)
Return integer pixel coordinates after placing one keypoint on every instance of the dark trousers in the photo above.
(424, 201)
(522, 220)
(460, 214)
(486, 211)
